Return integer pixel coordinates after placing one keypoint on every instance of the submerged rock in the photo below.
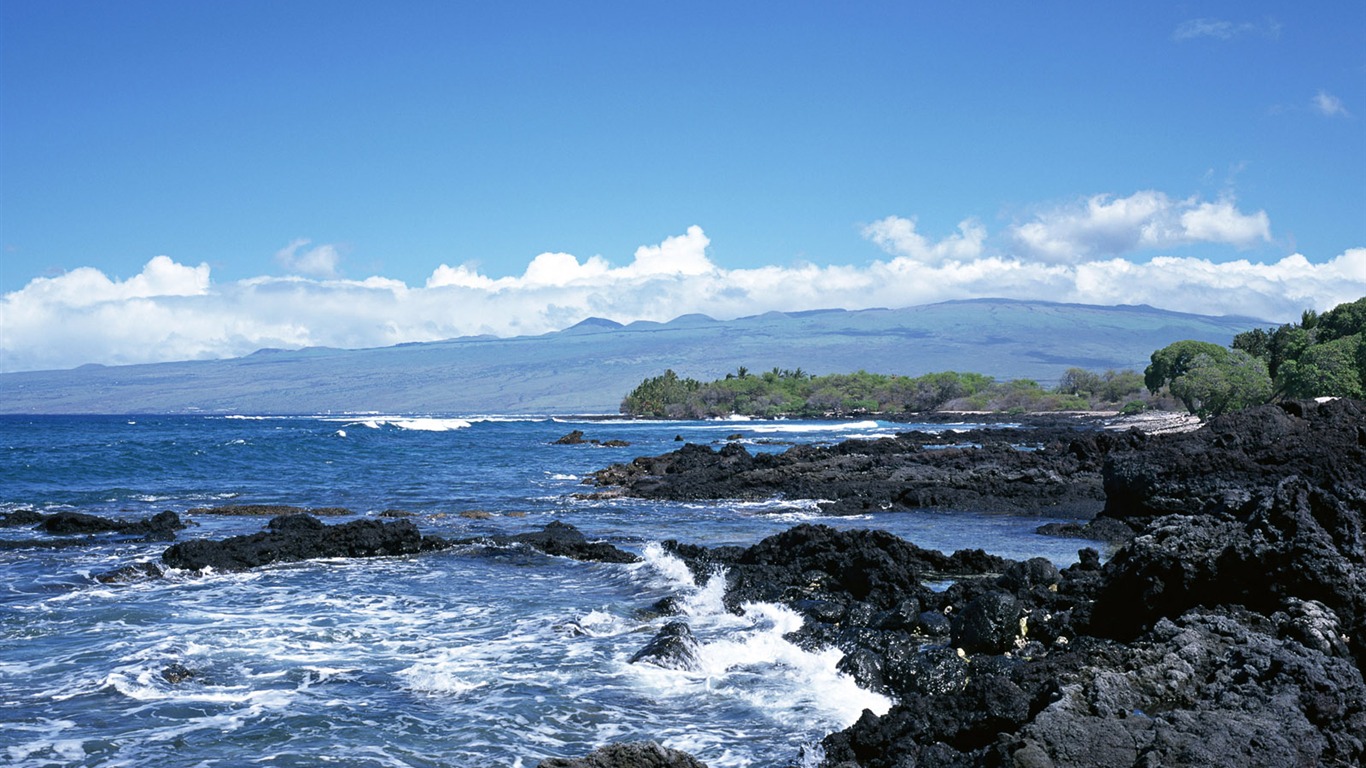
(576, 438)
(176, 673)
(130, 573)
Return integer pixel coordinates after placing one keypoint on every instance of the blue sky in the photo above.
(202, 179)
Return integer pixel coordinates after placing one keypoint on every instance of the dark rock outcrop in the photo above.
(159, 527)
(573, 438)
(576, 438)
(1230, 629)
(1224, 687)
(296, 537)
(130, 573)
(300, 537)
(565, 540)
(983, 470)
(673, 647)
(18, 517)
(643, 754)
(1220, 467)
(1227, 631)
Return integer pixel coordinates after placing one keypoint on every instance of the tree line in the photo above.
(781, 392)
(1322, 355)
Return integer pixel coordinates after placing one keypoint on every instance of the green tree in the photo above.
(1174, 360)
(1256, 342)
(1079, 381)
(1343, 320)
(1287, 343)
(1329, 369)
(663, 396)
(1117, 386)
(1210, 386)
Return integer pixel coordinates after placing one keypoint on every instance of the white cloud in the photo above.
(1329, 105)
(680, 255)
(319, 261)
(87, 286)
(173, 312)
(1103, 225)
(898, 236)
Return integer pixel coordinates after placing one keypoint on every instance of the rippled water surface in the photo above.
(468, 657)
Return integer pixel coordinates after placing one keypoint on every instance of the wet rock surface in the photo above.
(1229, 630)
(291, 538)
(644, 754)
(159, 527)
(982, 470)
(298, 537)
(162, 526)
(129, 574)
(576, 437)
(673, 647)
(564, 540)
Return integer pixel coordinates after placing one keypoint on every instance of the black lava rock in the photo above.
(294, 538)
(673, 647)
(645, 754)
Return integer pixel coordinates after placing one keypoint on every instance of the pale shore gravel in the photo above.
(1156, 422)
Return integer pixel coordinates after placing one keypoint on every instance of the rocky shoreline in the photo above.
(1058, 473)
(1230, 629)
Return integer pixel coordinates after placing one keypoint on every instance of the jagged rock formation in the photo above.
(673, 647)
(1231, 628)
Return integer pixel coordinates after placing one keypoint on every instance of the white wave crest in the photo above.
(673, 571)
(844, 426)
(748, 658)
(416, 424)
(442, 676)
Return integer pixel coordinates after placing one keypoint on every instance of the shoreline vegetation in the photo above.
(781, 393)
(1324, 355)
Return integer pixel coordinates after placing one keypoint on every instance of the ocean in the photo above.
(472, 656)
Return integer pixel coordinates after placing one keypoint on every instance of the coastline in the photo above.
(1245, 543)
(1240, 545)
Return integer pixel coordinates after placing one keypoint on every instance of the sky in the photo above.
(204, 179)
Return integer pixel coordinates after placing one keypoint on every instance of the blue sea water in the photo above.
(455, 658)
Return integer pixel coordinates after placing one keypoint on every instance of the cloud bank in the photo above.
(1091, 251)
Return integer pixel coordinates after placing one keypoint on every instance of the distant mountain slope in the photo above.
(588, 368)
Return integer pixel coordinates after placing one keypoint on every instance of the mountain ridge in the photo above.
(589, 367)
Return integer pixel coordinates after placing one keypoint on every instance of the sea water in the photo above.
(466, 657)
